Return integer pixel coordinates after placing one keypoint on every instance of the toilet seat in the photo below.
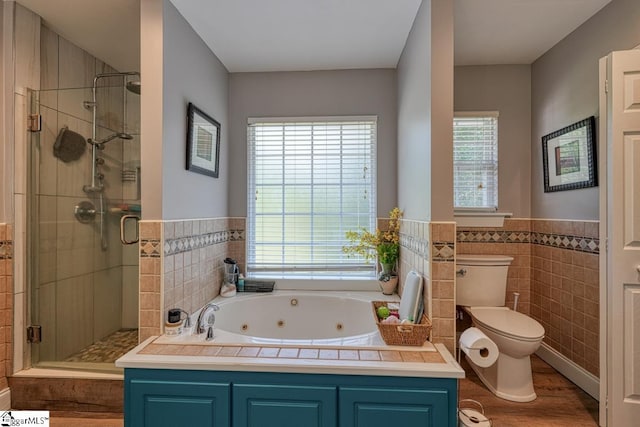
(509, 323)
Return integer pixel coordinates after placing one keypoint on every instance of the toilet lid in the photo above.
(508, 322)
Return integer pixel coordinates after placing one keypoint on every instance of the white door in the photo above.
(620, 231)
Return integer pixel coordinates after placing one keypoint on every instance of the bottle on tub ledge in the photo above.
(231, 273)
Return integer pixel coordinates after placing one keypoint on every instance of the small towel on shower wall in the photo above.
(69, 145)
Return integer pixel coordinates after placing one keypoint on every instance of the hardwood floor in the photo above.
(559, 402)
(85, 419)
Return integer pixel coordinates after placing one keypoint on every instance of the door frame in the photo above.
(602, 182)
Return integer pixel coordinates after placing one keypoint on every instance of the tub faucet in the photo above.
(200, 327)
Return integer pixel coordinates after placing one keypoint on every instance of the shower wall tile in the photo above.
(129, 252)
(71, 102)
(47, 318)
(48, 67)
(74, 175)
(110, 99)
(110, 257)
(130, 296)
(20, 243)
(133, 113)
(75, 241)
(47, 237)
(107, 302)
(75, 311)
(131, 157)
(20, 144)
(27, 49)
(77, 67)
(47, 171)
(112, 167)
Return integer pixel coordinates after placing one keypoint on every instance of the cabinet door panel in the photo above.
(366, 407)
(172, 403)
(283, 406)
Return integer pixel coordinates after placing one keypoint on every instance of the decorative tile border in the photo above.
(415, 244)
(185, 244)
(582, 244)
(562, 241)
(150, 248)
(6, 249)
(443, 251)
(493, 236)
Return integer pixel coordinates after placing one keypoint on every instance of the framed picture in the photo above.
(203, 142)
(569, 157)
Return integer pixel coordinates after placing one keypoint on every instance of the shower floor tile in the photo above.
(108, 349)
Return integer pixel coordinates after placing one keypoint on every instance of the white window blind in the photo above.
(310, 181)
(475, 161)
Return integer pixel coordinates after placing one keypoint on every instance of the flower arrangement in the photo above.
(385, 245)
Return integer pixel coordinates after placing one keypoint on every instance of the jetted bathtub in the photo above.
(294, 318)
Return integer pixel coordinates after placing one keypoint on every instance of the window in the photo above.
(310, 181)
(475, 161)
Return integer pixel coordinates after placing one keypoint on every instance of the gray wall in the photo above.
(507, 89)
(414, 119)
(192, 73)
(564, 85)
(178, 68)
(314, 93)
(425, 115)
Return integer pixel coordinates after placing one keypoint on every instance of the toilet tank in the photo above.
(481, 280)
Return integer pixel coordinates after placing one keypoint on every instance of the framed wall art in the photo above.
(203, 142)
(569, 157)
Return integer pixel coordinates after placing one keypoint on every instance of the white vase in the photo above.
(388, 286)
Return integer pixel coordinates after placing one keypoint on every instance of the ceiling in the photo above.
(284, 35)
(515, 31)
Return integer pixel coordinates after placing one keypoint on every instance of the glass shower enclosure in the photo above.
(84, 177)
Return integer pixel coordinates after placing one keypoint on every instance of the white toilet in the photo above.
(481, 288)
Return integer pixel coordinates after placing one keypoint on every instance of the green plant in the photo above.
(385, 245)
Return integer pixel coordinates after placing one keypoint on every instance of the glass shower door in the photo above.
(83, 281)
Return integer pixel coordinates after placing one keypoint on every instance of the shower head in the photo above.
(134, 87)
(120, 135)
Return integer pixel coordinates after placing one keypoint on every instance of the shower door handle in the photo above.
(123, 222)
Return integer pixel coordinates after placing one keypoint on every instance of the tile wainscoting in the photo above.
(181, 265)
(6, 302)
(565, 294)
(429, 249)
(556, 271)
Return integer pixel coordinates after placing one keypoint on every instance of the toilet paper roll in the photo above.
(478, 347)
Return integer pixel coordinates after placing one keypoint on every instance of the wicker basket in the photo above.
(396, 334)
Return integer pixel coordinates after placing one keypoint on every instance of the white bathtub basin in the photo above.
(294, 318)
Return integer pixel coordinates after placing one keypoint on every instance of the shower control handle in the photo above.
(123, 222)
(85, 212)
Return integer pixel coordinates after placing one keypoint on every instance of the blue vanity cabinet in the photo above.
(264, 405)
(164, 397)
(176, 402)
(366, 407)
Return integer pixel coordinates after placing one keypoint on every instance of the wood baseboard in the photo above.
(575, 373)
(67, 394)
